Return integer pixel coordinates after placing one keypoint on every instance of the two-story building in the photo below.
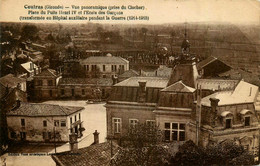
(43, 122)
(45, 85)
(104, 66)
(228, 115)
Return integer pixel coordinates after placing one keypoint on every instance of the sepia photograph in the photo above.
(129, 83)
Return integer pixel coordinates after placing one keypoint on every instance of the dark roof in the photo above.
(86, 81)
(205, 62)
(34, 109)
(188, 73)
(94, 155)
(11, 81)
(178, 87)
(129, 73)
(47, 73)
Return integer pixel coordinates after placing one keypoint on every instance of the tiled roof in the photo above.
(47, 73)
(154, 82)
(34, 109)
(86, 81)
(94, 155)
(10, 80)
(105, 60)
(243, 93)
(129, 73)
(178, 87)
(217, 84)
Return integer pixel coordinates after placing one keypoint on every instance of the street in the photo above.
(94, 118)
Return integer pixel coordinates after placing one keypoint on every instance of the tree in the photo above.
(225, 153)
(29, 32)
(142, 146)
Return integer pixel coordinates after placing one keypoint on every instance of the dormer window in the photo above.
(227, 119)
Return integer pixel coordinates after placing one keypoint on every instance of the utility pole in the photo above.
(198, 114)
(54, 138)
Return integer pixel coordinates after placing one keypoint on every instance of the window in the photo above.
(79, 116)
(83, 91)
(75, 118)
(150, 123)
(247, 121)
(50, 83)
(22, 122)
(44, 123)
(39, 83)
(117, 125)
(104, 67)
(56, 123)
(50, 93)
(72, 92)
(62, 91)
(228, 123)
(71, 120)
(174, 132)
(13, 134)
(63, 123)
(104, 76)
(87, 68)
(133, 123)
(113, 67)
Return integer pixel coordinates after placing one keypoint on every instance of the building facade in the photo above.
(43, 122)
(104, 66)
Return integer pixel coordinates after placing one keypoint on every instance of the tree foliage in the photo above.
(226, 153)
(141, 146)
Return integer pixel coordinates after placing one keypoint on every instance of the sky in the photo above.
(159, 11)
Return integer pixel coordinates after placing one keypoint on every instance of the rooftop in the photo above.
(178, 87)
(35, 109)
(217, 84)
(243, 93)
(27, 66)
(94, 155)
(86, 81)
(10, 80)
(47, 73)
(129, 73)
(105, 60)
(154, 82)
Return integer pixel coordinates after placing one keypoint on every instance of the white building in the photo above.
(106, 66)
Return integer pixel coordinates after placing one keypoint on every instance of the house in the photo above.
(94, 155)
(104, 66)
(43, 122)
(45, 85)
(227, 115)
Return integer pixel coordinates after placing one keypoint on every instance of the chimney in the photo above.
(114, 79)
(31, 66)
(18, 103)
(34, 71)
(19, 86)
(214, 103)
(73, 142)
(142, 91)
(96, 137)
